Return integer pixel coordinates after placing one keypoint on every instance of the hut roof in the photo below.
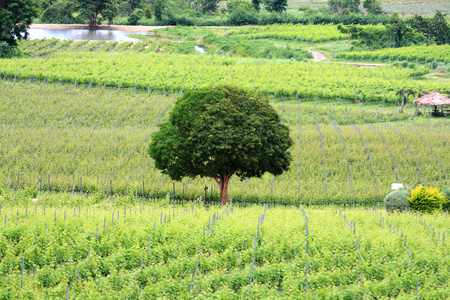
(434, 99)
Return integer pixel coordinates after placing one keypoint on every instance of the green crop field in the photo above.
(414, 54)
(75, 138)
(183, 72)
(85, 214)
(63, 246)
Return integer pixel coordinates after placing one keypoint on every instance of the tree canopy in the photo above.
(276, 5)
(373, 7)
(218, 132)
(16, 16)
(435, 28)
(92, 9)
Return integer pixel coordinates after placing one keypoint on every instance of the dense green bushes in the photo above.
(426, 199)
(422, 199)
(446, 193)
(397, 200)
(7, 52)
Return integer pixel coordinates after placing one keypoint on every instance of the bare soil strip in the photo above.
(317, 56)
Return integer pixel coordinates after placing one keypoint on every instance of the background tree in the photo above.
(209, 5)
(15, 17)
(59, 11)
(219, 132)
(148, 11)
(397, 28)
(373, 7)
(158, 8)
(435, 28)
(352, 5)
(276, 5)
(133, 19)
(92, 9)
(256, 5)
(338, 5)
(441, 29)
(404, 94)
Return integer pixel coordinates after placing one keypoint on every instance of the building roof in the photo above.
(433, 99)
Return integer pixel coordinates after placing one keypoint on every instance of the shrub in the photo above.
(397, 200)
(426, 199)
(133, 19)
(4, 49)
(148, 11)
(446, 193)
(241, 16)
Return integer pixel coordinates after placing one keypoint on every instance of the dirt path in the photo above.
(317, 56)
(367, 65)
(103, 27)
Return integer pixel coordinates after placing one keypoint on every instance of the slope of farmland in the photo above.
(182, 72)
(86, 139)
(64, 246)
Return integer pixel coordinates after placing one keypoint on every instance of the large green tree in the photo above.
(92, 9)
(15, 17)
(218, 132)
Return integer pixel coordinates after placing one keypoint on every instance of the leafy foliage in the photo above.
(435, 28)
(277, 6)
(91, 9)
(339, 5)
(158, 8)
(426, 199)
(218, 132)
(397, 200)
(396, 34)
(16, 16)
(373, 7)
(60, 12)
(446, 192)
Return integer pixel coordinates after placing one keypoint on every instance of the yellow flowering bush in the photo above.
(426, 199)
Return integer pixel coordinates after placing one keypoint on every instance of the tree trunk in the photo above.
(403, 104)
(224, 189)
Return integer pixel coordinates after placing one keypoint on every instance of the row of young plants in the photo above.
(182, 72)
(298, 32)
(216, 45)
(82, 139)
(69, 246)
(45, 48)
(413, 54)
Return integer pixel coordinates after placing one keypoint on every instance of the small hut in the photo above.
(437, 100)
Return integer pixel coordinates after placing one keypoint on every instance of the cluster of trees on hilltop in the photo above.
(399, 32)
